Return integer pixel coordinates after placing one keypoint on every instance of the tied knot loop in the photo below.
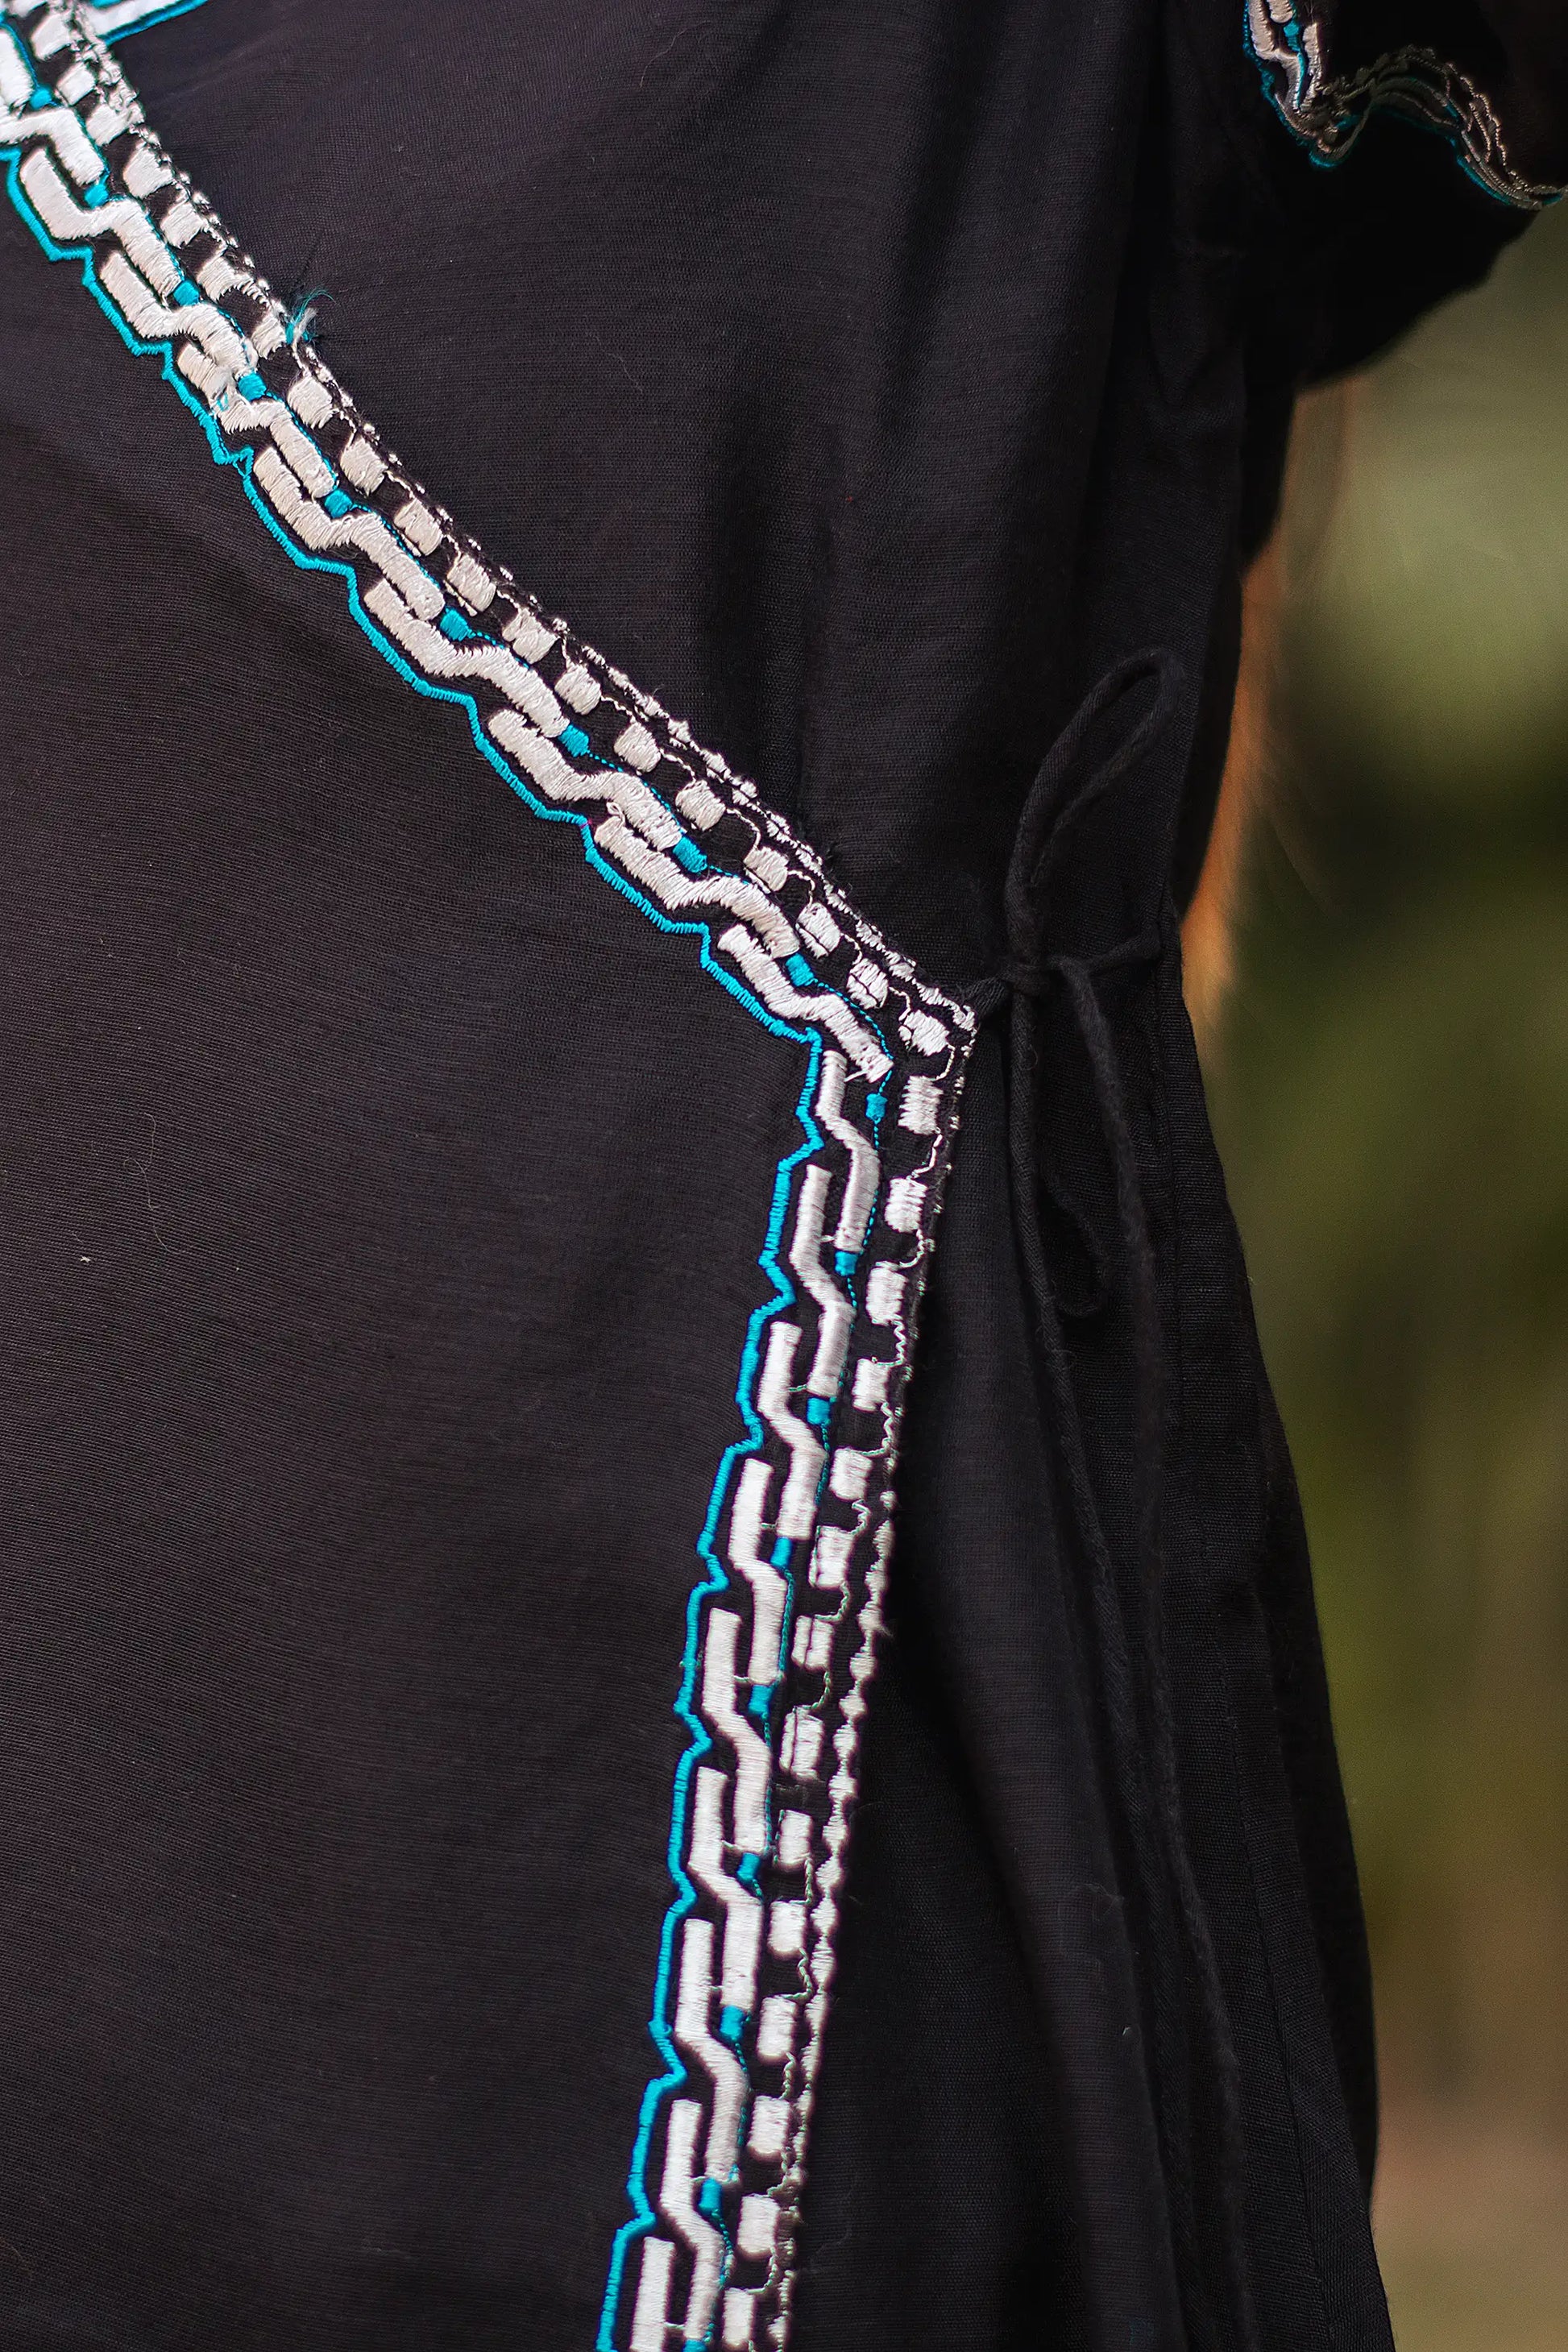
(1032, 977)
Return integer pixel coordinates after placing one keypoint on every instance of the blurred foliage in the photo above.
(1390, 1085)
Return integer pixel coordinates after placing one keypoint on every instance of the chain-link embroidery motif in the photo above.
(783, 1622)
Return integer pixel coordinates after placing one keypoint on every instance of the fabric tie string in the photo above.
(1136, 1691)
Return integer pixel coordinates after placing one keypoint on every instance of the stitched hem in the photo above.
(783, 1622)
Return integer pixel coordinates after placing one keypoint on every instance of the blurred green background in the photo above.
(1390, 1083)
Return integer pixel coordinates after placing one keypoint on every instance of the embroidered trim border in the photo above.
(1328, 112)
(783, 1622)
(114, 18)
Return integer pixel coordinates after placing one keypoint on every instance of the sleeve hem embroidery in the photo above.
(1328, 112)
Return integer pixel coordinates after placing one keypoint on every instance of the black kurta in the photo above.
(460, 1290)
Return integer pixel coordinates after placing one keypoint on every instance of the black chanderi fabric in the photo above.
(382, 1204)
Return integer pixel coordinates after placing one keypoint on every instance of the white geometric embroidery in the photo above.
(773, 1695)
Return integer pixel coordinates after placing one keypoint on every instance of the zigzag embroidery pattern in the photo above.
(783, 1624)
(1328, 113)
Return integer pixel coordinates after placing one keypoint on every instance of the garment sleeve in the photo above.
(1491, 77)
(1404, 142)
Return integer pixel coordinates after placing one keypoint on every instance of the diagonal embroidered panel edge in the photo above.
(115, 18)
(784, 1620)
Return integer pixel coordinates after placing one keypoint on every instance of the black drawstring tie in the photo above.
(1136, 1689)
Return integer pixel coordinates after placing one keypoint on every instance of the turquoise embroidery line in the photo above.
(238, 461)
(838, 1037)
(113, 34)
(659, 2089)
(644, 2217)
(718, 1579)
